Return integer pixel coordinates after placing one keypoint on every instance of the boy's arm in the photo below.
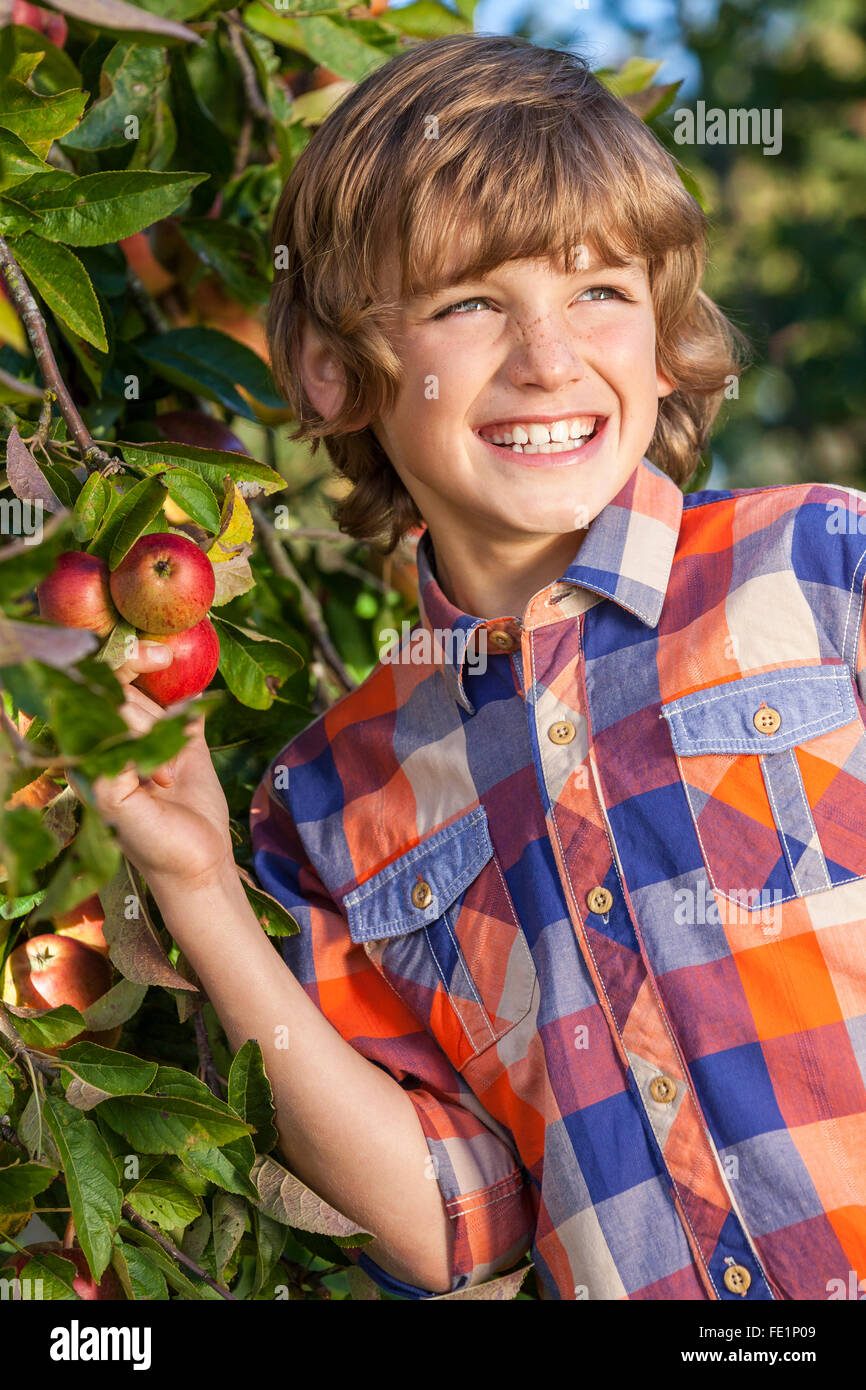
(462, 1159)
(346, 1128)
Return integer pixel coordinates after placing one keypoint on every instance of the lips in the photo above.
(566, 437)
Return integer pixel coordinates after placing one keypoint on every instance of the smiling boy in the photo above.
(522, 1013)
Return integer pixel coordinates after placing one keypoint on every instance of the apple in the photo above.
(77, 594)
(53, 26)
(164, 584)
(109, 1286)
(196, 657)
(50, 970)
(84, 923)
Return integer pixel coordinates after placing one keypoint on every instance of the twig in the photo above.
(242, 152)
(133, 1217)
(11, 1137)
(207, 1068)
(255, 101)
(145, 302)
(34, 327)
(310, 606)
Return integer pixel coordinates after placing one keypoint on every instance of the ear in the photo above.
(664, 384)
(322, 373)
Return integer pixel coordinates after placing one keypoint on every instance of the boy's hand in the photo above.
(173, 825)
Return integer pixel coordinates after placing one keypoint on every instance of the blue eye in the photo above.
(453, 308)
(603, 289)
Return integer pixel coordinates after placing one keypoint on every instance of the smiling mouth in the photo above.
(557, 437)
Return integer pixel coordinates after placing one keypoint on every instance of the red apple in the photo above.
(49, 970)
(76, 593)
(164, 584)
(196, 657)
(84, 923)
(53, 26)
(109, 1286)
(154, 276)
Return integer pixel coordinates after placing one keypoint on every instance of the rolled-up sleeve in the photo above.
(486, 1192)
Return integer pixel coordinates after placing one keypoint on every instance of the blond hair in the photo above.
(506, 150)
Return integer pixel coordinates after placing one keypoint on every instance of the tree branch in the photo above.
(133, 1217)
(37, 333)
(310, 606)
(207, 1068)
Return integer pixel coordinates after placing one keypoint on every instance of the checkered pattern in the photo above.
(438, 848)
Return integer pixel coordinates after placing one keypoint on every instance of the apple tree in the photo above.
(142, 151)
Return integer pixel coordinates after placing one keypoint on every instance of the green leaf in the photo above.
(635, 74)
(134, 72)
(91, 1180)
(104, 207)
(48, 1028)
(170, 1124)
(128, 520)
(164, 1204)
(252, 666)
(17, 160)
(190, 491)
(210, 363)
(232, 252)
(104, 1068)
(166, 1265)
(36, 119)
(271, 1240)
(200, 141)
(90, 506)
(65, 286)
(119, 1004)
(136, 1269)
(229, 1166)
(20, 1182)
(15, 217)
(274, 918)
(425, 19)
(333, 45)
(251, 476)
(229, 1223)
(56, 1276)
(27, 846)
(250, 1093)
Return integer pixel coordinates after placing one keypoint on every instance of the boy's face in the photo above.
(527, 345)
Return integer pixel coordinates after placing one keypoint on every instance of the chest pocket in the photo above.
(774, 770)
(440, 926)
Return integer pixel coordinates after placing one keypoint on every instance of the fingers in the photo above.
(144, 656)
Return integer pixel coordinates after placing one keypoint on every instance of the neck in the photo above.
(497, 578)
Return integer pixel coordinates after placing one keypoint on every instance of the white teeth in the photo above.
(520, 435)
(530, 449)
(517, 448)
(509, 439)
(559, 431)
(539, 434)
(562, 435)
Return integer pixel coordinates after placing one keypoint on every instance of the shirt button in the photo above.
(663, 1089)
(766, 720)
(502, 641)
(422, 894)
(737, 1279)
(561, 732)
(599, 899)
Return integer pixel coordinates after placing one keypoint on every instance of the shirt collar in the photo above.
(626, 556)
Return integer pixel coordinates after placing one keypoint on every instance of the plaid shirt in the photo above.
(599, 903)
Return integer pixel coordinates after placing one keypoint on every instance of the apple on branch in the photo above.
(47, 971)
(77, 593)
(164, 584)
(195, 657)
(84, 923)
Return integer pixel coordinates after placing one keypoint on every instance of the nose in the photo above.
(545, 355)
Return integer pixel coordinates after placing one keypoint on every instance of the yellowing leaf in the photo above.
(236, 525)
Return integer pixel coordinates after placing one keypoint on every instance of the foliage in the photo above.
(140, 162)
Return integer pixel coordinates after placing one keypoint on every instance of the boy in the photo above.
(582, 896)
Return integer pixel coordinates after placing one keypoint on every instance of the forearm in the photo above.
(346, 1128)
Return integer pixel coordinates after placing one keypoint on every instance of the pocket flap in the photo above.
(448, 861)
(719, 719)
